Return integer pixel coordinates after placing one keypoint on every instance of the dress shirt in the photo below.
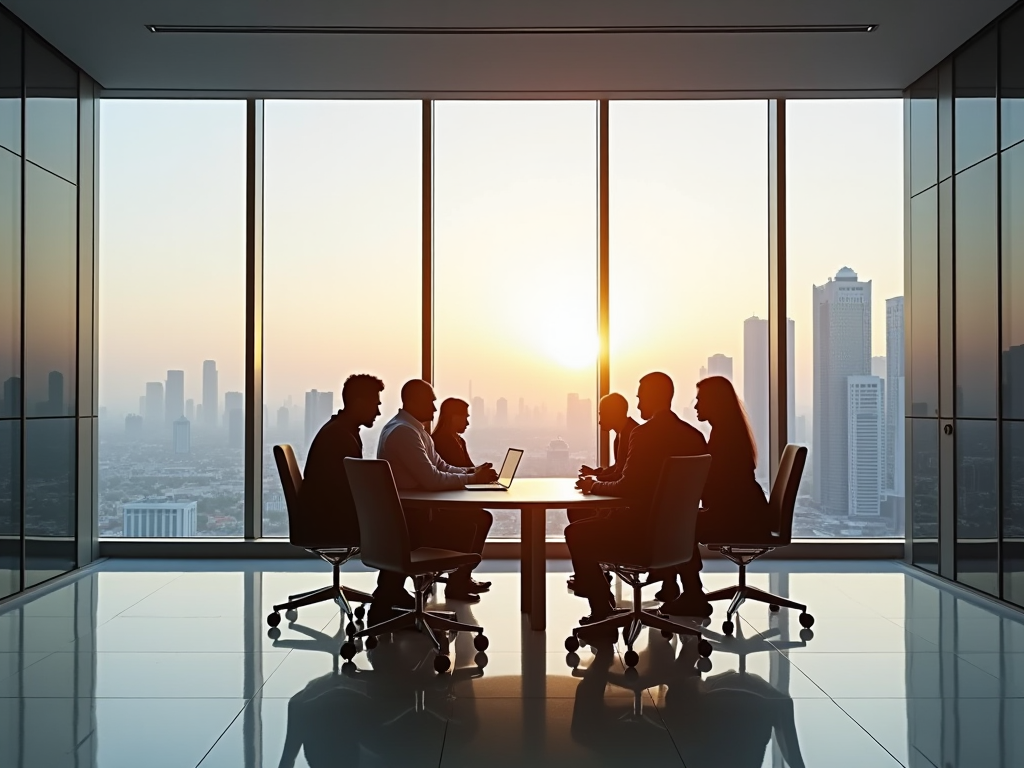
(620, 449)
(409, 449)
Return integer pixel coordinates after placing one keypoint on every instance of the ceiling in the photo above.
(110, 41)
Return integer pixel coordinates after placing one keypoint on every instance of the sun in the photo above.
(567, 340)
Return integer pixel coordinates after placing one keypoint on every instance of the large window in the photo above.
(342, 266)
(845, 295)
(172, 318)
(515, 281)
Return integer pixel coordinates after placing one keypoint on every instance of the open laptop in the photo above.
(508, 471)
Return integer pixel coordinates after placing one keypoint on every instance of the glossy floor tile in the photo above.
(172, 664)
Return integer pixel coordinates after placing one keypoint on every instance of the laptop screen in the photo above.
(508, 469)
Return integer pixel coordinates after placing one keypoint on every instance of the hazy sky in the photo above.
(515, 240)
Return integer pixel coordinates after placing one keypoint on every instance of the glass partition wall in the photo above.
(526, 257)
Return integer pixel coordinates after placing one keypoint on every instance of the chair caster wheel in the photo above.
(572, 643)
(274, 633)
(666, 634)
(703, 665)
(631, 657)
(441, 664)
(370, 642)
(273, 619)
(773, 608)
(348, 668)
(360, 612)
(806, 620)
(348, 651)
(704, 648)
(350, 629)
(291, 615)
(806, 635)
(572, 660)
(480, 660)
(727, 627)
(481, 643)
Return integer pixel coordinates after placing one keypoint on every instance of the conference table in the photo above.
(533, 497)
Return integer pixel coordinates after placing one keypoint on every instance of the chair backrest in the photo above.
(291, 482)
(782, 503)
(674, 511)
(384, 535)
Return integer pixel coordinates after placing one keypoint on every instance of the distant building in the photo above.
(755, 386)
(282, 419)
(524, 412)
(842, 348)
(720, 365)
(319, 409)
(866, 444)
(133, 426)
(501, 412)
(234, 415)
(54, 405)
(190, 409)
(703, 373)
(895, 402)
(579, 416)
(182, 435)
(159, 518)
(174, 397)
(558, 459)
(199, 414)
(210, 393)
(154, 414)
(11, 406)
(478, 411)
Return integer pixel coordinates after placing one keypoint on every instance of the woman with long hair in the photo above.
(452, 421)
(733, 504)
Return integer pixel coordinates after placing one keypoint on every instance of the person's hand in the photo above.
(585, 470)
(585, 484)
(484, 474)
(485, 465)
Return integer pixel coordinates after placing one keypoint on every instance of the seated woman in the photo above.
(733, 505)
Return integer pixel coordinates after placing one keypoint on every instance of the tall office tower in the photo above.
(702, 374)
(501, 412)
(477, 410)
(755, 386)
(161, 518)
(282, 419)
(524, 412)
(720, 365)
(865, 404)
(12, 398)
(210, 393)
(174, 397)
(133, 426)
(895, 405)
(579, 417)
(154, 414)
(190, 409)
(182, 435)
(55, 394)
(142, 406)
(878, 366)
(319, 409)
(236, 427)
(842, 348)
(199, 414)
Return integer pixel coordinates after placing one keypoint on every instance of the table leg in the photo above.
(538, 570)
(525, 560)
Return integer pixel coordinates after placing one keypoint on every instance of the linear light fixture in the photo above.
(764, 29)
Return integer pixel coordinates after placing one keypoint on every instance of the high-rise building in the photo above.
(755, 385)
(501, 412)
(524, 412)
(702, 373)
(174, 396)
(866, 444)
(11, 407)
(154, 414)
(133, 426)
(319, 409)
(182, 435)
(720, 365)
(478, 411)
(579, 416)
(161, 518)
(199, 413)
(142, 406)
(842, 348)
(557, 456)
(234, 418)
(190, 409)
(895, 405)
(282, 419)
(210, 393)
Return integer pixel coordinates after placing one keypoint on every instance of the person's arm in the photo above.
(404, 446)
(630, 483)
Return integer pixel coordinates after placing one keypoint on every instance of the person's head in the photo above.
(360, 397)
(718, 405)
(418, 399)
(612, 412)
(453, 416)
(655, 394)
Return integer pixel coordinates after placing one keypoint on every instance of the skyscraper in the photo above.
(477, 410)
(182, 435)
(319, 409)
(133, 426)
(190, 409)
(720, 365)
(282, 419)
(236, 427)
(174, 398)
(154, 414)
(579, 417)
(895, 405)
(501, 412)
(842, 348)
(755, 385)
(210, 393)
(866, 446)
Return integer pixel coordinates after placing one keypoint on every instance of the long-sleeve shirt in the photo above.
(620, 449)
(409, 449)
(327, 514)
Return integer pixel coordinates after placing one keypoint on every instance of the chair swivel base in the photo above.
(343, 596)
(740, 593)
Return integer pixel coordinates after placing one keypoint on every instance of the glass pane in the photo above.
(977, 505)
(924, 307)
(977, 292)
(924, 132)
(689, 200)
(1013, 283)
(10, 507)
(51, 293)
(924, 492)
(49, 498)
(342, 210)
(1013, 512)
(974, 93)
(10, 285)
(51, 111)
(172, 320)
(10, 85)
(515, 239)
(1011, 78)
(845, 166)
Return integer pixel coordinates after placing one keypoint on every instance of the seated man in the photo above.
(626, 530)
(407, 446)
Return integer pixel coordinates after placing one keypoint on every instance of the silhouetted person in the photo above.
(625, 533)
(325, 494)
(407, 446)
(733, 505)
(452, 422)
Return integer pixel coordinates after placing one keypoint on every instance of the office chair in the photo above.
(781, 506)
(385, 545)
(321, 538)
(673, 527)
